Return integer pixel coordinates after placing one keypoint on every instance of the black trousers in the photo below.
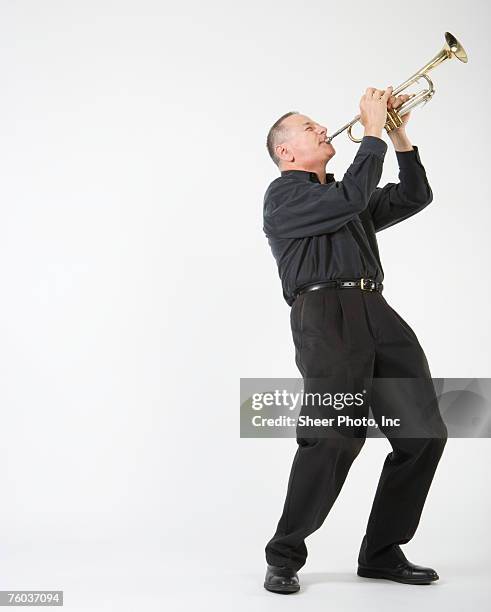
(350, 338)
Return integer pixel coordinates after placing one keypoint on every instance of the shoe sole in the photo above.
(370, 573)
(286, 590)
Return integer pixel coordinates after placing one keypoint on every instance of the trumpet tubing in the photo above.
(451, 49)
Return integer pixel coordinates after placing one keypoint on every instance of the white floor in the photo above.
(142, 586)
(204, 549)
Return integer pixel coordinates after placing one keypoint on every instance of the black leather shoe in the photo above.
(281, 580)
(403, 572)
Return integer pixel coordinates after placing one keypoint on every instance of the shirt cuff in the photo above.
(405, 159)
(373, 144)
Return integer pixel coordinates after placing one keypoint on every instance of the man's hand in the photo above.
(398, 135)
(396, 102)
(373, 110)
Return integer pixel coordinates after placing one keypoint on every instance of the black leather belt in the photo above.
(366, 284)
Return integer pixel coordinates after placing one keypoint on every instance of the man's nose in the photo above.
(322, 130)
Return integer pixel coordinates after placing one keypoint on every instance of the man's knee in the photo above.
(419, 447)
(438, 442)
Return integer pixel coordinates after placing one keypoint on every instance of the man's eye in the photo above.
(310, 127)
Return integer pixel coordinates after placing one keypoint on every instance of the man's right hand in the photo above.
(373, 110)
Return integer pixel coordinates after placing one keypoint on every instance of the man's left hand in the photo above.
(395, 102)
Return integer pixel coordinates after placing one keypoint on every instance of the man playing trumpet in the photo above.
(322, 233)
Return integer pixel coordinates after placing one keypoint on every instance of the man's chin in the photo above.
(331, 153)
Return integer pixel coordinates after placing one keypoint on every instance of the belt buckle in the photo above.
(371, 287)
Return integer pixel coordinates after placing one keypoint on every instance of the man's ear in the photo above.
(284, 153)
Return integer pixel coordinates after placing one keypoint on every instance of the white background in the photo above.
(137, 288)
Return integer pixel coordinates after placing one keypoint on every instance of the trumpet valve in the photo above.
(394, 120)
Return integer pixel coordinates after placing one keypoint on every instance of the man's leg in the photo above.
(409, 469)
(334, 352)
(319, 469)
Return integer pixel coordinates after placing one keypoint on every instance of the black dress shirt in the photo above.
(320, 232)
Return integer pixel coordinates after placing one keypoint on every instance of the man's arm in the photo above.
(395, 202)
(398, 201)
(295, 209)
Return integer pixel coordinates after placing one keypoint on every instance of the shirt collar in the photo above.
(305, 175)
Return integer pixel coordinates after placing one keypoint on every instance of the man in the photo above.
(322, 235)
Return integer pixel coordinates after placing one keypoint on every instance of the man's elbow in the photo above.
(422, 198)
(429, 197)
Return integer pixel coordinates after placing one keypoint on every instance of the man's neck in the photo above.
(321, 174)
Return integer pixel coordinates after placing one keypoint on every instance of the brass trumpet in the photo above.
(452, 48)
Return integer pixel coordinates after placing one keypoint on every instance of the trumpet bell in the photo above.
(455, 48)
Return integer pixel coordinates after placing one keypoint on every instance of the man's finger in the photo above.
(401, 100)
(387, 93)
(404, 98)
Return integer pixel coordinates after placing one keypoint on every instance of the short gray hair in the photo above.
(276, 135)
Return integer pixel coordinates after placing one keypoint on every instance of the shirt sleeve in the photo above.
(296, 209)
(398, 201)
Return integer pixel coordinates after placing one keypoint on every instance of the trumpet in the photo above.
(451, 49)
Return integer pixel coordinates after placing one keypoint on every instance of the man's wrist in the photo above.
(400, 141)
(373, 131)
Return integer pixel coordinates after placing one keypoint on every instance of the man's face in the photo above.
(305, 142)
